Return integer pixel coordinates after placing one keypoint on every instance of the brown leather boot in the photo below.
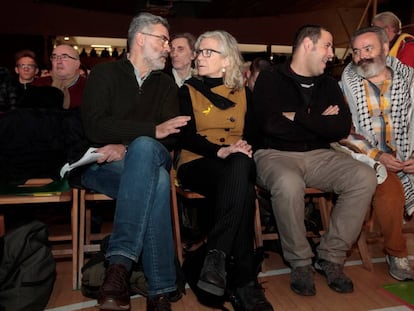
(114, 292)
(158, 303)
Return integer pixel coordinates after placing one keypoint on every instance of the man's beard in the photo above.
(370, 67)
(155, 63)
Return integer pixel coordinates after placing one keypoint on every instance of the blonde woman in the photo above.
(216, 160)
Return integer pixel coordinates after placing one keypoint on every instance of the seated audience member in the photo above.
(401, 44)
(216, 160)
(8, 91)
(300, 111)
(83, 71)
(182, 56)
(65, 75)
(115, 53)
(93, 53)
(257, 65)
(83, 53)
(105, 53)
(44, 71)
(379, 91)
(123, 54)
(26, 69)
(130, 111)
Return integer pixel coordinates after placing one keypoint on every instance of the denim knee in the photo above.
(144, 143)
(146, 148)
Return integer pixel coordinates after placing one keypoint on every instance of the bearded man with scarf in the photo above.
(380, 93)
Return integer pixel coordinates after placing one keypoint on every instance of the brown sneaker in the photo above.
(114, 293)
(158, 303)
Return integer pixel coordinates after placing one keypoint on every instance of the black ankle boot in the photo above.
(250, 297)
(213, 274)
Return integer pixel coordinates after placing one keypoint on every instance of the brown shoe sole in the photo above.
(112, 304)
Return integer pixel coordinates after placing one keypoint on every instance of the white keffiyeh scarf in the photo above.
(402, 99)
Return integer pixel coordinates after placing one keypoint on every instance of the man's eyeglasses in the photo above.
(63, 57)
(207, 52)
(164, 39)
(26, 66)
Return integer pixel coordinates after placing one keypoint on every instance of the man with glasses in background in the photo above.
(65, 75)
(12, 88)
(26, 69)
(130, 111)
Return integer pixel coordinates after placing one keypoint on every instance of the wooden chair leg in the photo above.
(258, 226)
(81, 249)
(75, 237)
(364, 252)
(88, 221)
(325, 208)
(176, 223)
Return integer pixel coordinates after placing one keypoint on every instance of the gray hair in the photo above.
(233, 77)
(389, 19)
(381, 34)
(188, 36)
(143, 21)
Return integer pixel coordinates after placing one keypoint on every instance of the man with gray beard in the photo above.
(380, 93)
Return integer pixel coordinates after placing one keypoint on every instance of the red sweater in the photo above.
(75, 91)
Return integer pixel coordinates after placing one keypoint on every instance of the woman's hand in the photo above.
(111, 153)
(239, 146)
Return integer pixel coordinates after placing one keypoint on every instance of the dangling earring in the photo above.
(223, 70)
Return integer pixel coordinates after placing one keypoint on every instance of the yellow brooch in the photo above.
(207, 111)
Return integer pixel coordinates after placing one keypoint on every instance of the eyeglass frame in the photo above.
(28, 66)
(206, 52)
(63, 57)
(164, 39)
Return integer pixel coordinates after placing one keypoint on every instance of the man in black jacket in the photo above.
(129, 111)
(301, 111)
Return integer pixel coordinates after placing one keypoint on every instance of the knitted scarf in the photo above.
(402, 98)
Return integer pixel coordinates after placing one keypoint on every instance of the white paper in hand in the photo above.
(90, 156)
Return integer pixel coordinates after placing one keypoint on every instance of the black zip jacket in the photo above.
(278, 90)
(116, 110)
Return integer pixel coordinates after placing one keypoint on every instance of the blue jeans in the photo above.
(140, 183)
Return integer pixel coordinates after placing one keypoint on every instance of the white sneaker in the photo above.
(399, 268)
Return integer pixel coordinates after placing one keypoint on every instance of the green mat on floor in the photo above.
(402, 291)
(54, 187)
